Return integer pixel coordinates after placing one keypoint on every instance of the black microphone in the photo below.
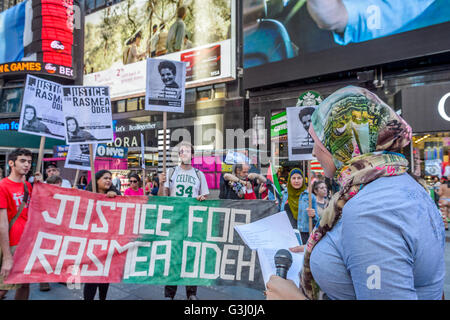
(283, 261)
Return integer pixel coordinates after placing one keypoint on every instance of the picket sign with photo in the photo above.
(165, 91)
(42, 112)
(78, 157)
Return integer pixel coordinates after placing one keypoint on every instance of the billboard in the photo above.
(119, 39)
(42, 37)
(290, 40)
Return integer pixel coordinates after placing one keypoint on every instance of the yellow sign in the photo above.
(20, 66)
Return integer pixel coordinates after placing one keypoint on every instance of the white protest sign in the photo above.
(88, 115)
(165, 87)
(300, 143)
(42, 109)
(78, 156)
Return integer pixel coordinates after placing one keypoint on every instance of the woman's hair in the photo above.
(167, 65)
(316, 185)
(98, 175)
(135, 175)
(76, 122)
(27, 106)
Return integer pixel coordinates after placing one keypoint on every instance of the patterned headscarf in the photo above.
(294, 194)
(361, 132)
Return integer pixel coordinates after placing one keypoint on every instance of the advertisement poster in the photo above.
(202, 63)
(42, 109)
(88, 115)
(165, 85)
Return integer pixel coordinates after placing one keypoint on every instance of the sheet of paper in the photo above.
(274, 231)
(267, 236)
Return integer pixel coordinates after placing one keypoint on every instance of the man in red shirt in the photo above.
(12, 190)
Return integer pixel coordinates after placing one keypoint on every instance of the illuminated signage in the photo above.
(12, 125)
(49, 29)
(441, 107)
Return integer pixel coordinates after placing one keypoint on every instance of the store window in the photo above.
(220, 91)
(204, 94)
(431, 154)
(10, 100)
(133, 104)
(121, 106)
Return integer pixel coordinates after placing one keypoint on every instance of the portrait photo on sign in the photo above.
(165, 88)
(88, 115)
(42, 112)
(78, 156)
(300, 141)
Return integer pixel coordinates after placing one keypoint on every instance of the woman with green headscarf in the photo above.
(295, 202)
(381, 236)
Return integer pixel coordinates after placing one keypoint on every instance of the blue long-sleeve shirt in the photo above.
(388, 244)
(371, 19)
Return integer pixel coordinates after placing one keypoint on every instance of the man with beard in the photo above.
(183, 181)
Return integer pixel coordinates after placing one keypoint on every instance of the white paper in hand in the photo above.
(267, 236)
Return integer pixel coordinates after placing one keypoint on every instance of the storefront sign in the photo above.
(426, 108)
(83, 237)
(60, 151)
(278, 124)
(441, 107)
(106, 151)
(9, 125)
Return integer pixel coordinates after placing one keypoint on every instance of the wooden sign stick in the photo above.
(76, 179)
(41, 155)
(309, 195)
(91, 158)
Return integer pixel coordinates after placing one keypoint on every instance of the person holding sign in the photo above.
(31, 122)
(103, 179)
(295, 202)
(74, 133)
(168, 71)
(183, 181)
(134, 189)
(14, 199)
(381, 236)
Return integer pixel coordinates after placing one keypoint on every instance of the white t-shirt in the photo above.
(186, 183)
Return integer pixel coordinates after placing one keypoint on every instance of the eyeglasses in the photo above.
(133, 181)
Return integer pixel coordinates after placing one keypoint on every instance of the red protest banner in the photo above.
(76, 236)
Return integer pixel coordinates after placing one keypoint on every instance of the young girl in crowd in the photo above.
(320, 190)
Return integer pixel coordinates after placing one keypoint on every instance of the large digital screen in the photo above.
(287, 40)
(119, 39)
(41, 37)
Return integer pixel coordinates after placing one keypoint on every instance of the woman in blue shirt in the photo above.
(381, 236)
(295, 202)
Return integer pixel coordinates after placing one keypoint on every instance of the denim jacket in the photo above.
(303, 203)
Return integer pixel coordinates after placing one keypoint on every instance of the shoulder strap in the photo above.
(171, 175)
(22, 206)
(199, 178)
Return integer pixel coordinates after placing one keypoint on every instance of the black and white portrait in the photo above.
(165, 85)
(74, 133)
(300, 143)
(42, 113)
(78, 156)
